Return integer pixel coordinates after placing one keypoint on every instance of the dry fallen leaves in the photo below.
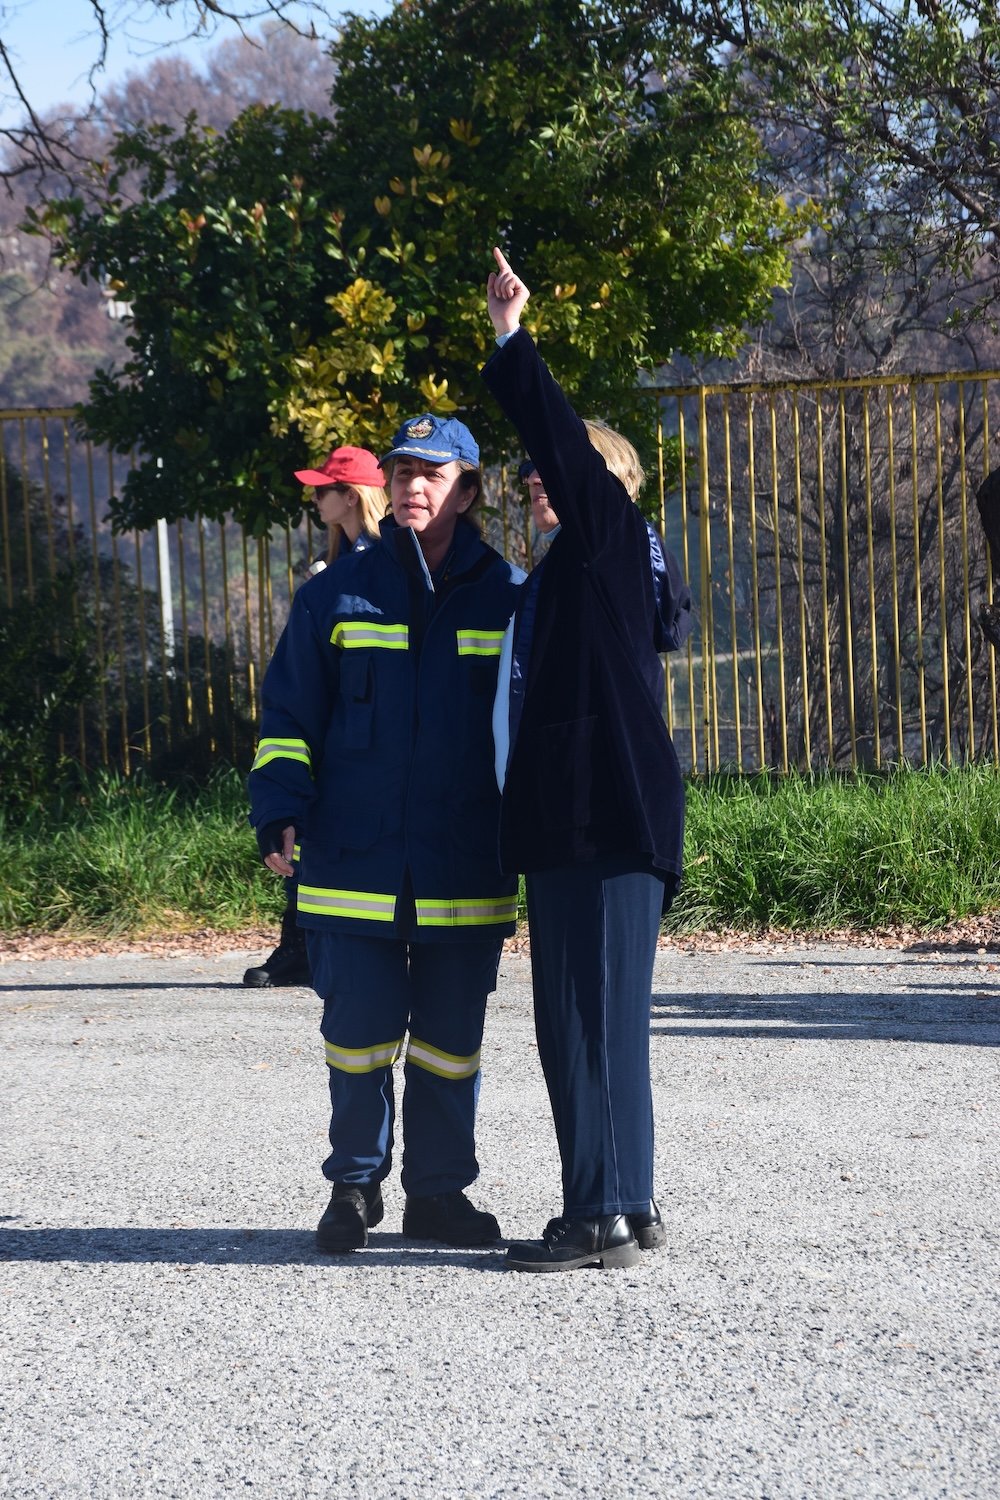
(971, 935)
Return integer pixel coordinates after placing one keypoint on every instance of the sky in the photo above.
(53, 44)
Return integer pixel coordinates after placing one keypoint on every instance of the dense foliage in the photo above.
(295, 282)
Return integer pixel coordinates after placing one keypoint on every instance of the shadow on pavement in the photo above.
(226, 1247)
(948, 1018)
(863, 961)
(98, 987)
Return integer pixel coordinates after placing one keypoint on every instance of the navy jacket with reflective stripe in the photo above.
(376, 739)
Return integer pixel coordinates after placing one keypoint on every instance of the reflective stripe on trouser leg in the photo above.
(363, 1059)
(444, 1064)
(364, 986)
(449, 984)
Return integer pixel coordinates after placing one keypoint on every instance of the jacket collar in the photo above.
(401, 541)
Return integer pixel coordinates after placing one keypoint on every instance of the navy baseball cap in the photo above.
(439, 440)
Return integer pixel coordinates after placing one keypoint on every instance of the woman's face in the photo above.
(428, 497)
(542, 513)
(334, 503)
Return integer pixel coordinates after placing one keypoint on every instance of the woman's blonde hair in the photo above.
(374, 506)
(619, 455)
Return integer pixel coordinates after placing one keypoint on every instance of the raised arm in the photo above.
(589, 501)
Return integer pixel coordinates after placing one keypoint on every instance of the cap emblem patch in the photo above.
(420, 429)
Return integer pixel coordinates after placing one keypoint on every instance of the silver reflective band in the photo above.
(355, 634)
(479, 642)
(443, 1064)
(470, 912)
(275, 749)
(322, 901)
(363, 1059)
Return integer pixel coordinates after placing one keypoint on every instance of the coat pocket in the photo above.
(354, 828)
(357, 692)
(567, 772)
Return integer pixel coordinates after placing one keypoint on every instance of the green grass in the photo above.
(132, 858)
(918, 847)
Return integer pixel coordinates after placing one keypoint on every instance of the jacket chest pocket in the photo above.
(479, 657)
(357, 693)
(481, 678)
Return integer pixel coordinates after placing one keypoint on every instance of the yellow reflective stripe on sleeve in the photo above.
(363, 1059)
(444, 1064)
(353, 634)
(470, 912)
(274, 749)
(479, 642)
(322, 901)
(296, 852)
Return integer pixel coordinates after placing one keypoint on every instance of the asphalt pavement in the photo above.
(823, 1322)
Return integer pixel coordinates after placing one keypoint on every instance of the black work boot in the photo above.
(353, 1209)
(648, 1227)
(289, 963)
(449, 1217)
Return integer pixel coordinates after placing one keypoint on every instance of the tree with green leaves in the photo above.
(298, 282)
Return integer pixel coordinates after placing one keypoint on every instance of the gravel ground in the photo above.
(823, 1322)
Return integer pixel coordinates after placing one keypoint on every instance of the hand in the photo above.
(277, 846)
(506, 295)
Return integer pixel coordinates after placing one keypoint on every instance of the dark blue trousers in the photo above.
(593, 940)
(374, 992)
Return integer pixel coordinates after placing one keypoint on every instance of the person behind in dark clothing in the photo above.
(593, 800)
(988, 501)
(350, 499)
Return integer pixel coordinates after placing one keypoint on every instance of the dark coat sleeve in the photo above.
(592, 505)
(589, 501)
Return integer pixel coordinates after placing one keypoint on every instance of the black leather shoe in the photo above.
(288, 964)
(567, 1244)
(353, 1209)
(648, 1227)
(451, 1218)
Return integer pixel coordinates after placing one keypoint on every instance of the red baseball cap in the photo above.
(345, 466)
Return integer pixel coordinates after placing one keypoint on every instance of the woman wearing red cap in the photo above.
(350, 499)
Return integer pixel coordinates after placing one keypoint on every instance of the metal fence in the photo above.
(828, 532)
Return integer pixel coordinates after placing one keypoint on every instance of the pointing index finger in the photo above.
(500, 259)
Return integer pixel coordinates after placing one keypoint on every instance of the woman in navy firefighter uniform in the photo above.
(593, 800)
(384, 679)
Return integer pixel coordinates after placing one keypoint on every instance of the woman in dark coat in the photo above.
(593, 800)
